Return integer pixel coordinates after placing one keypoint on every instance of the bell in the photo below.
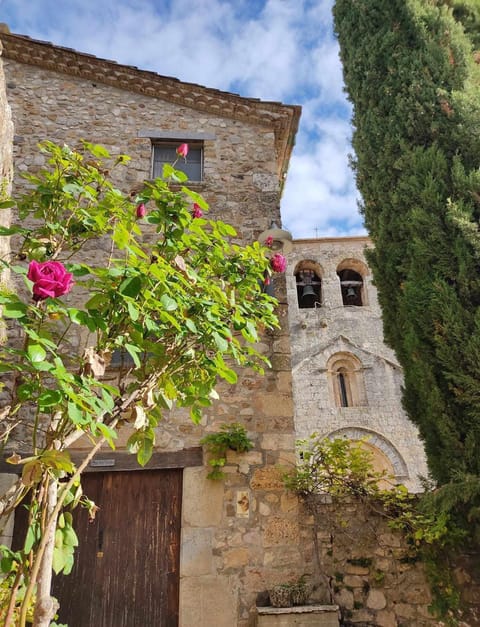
(351, 293)
(309, 298)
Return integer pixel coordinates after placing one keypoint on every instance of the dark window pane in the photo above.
(192, 165)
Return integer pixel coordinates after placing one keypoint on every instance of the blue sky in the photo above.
(281, 50)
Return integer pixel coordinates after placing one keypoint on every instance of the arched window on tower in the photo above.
(346, 380)
(351, 273)
(309, 285)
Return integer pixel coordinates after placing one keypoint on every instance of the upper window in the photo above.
(192, 164)
(309, 285)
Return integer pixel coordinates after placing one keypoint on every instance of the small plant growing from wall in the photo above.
(231, 436)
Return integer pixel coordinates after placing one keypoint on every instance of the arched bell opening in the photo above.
(309, 285)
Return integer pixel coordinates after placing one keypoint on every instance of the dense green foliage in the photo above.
(410, 73)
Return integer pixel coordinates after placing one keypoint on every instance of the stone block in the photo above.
(344, 598)
(354, 581)
(196, 552)
(376, 600)
(278, 441)
(267, 478)
(236, 558)
(280, 531)
(279, 404)
(208, 601)
(386, 619)
(202, 499)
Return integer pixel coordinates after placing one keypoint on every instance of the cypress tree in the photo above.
(410, 72)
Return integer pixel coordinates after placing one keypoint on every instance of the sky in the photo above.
(280, 50)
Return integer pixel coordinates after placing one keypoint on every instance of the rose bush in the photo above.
(50, 279)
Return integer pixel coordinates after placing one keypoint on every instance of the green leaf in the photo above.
(76, 415)
(67, 569)
(121, 236)
(98, 151)
(26, 391)
(98, 301)
(134, 351)
(59, 559)
(228, 374)
(220, 341)
(196, 197)
(73, 188)
(49, 398)
(145, 448)
(108, 433)
(131, 287)
(191, 326)
(36, 353)
(31, 538)
(14, 308)
(169, 172)
(226, 229)
(196, 415)
(168, 303)
(70, 537)
(133, 312)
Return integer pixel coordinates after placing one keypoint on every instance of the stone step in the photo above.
(300, 616)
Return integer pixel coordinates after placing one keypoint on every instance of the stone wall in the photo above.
(320, 333)
(370, 570)
(241, 535)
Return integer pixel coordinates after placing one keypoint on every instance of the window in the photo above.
(192, 165)
(309, 285)
(346, 380)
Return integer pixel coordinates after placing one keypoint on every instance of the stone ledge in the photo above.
(298, 609)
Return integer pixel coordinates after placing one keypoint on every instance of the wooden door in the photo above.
(126, 571)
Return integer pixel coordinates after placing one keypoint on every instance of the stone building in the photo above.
(346, 381)
(231, 540)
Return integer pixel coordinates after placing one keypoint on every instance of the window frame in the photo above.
(173, 144)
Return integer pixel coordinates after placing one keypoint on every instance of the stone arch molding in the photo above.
(378, 441)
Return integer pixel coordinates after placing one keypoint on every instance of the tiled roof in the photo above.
(283, 119)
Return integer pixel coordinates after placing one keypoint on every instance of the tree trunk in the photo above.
(46, 606)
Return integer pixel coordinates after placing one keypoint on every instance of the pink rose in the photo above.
(196, 211)
(182, 150)
(278, 263)
(141, 210)
(269, 241)
(50, 279)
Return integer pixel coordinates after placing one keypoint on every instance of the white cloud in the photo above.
(269, 49)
